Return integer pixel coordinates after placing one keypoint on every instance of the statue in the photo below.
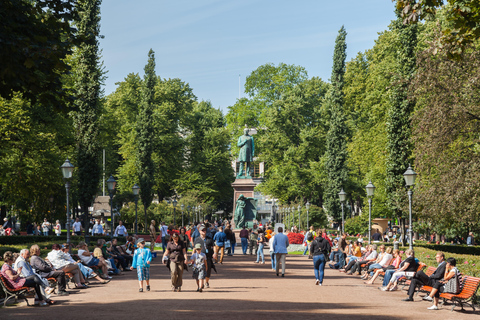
(245, 210)
(245, 156)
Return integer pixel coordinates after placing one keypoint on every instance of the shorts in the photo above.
(94, 262)
(143, 273)
(199, 273)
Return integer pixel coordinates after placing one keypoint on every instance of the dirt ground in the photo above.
(240, 290)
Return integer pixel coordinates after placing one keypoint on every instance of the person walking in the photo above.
(253, 239)
(207, 245)
(163, 235)
(176, 256)
(244, 239)
(319, 249)
(198, 260)
(142, 258)
(220, 238)
(280, 244)
(58, 228)
(153, 235)
(261, 244)
(272, 253)
(46, 227)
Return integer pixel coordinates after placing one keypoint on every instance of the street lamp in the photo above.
(299, 208)
(343, 196)
(136, 190)
(111, 183)
(410, 176)
(370, 191)
(307, 206)
(67, 171)
(174, 202)
(183, 208)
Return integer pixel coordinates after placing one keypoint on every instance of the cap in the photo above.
(140, 240)
(198, 246)
(201, 227)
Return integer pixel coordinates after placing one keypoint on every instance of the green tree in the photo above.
(36, 39)
(87, 79)
(399, 144)
(337, 135)
(295, 137)
(462, 17)
(208, 169)
(145, 131)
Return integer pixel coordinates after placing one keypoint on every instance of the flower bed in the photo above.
(295, 238)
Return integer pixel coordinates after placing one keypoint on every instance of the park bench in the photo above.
(466, 295)
(12, 292)
(406, 281)
(68, 277)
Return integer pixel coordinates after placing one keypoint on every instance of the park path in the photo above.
(240, 290)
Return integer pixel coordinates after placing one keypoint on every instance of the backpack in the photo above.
(309, 236)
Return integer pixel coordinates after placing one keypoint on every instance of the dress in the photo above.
(140, 258)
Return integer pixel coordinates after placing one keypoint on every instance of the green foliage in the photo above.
(36, 38)
(399, 144)
(296, 144)
(463, 17)
(145, 135)
(87, 77)
(356, 225)
(338, 134)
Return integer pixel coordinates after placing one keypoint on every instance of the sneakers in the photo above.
(140, 290)
(383, 288)
(407, 299)
(207, 285)
(263, 262)
(427, 298)
(320, 284)
(317, 282)
(148, 288)
(393, 288)
(62, 293)
(199, 290)
(434, 307)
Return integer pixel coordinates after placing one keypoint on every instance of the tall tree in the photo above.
(88, 76)
(145, 135)
(399, 144)
(337, 136)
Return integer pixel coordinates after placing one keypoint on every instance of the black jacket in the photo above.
(319, 246)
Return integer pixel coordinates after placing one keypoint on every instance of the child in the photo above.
(141, 260)
(198, 261)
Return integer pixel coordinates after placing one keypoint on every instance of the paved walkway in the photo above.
(240, 290)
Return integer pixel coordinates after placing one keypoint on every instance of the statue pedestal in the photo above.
(245, 187)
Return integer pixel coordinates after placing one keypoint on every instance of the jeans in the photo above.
(164, 244)
(273, 258)
(260, 252)
(233, 248)
(319, 266)
(45, 233)
(341, 260)
(244, 245)
(306, 249)
(388, 276)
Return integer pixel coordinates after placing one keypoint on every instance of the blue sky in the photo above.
(209, 43)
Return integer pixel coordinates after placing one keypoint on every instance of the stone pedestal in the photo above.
(245, 187)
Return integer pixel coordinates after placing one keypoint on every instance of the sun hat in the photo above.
(140, 240)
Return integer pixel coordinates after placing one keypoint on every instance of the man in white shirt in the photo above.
(46, 227)
(120, 230)
(77, 227)
(97, 229)
(164, 233)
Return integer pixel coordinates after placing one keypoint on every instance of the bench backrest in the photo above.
(430, 271)
(470, 285)
(5, 283)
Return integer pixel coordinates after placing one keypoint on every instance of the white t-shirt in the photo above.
(164, 230)
(121, 230)
(85, 259)
(387, 257)
(270, 244)
(198, 259)
(58, 229)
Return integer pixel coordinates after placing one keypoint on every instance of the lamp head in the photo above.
(67, 169)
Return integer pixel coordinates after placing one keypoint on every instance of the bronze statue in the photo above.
(245, 156)
(245, 210)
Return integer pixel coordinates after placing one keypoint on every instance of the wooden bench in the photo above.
(13, 293)
(406, 282)
(469, 289)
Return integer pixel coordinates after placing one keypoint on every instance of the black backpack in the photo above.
(309, 236)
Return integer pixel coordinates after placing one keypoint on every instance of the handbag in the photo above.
(453, 285)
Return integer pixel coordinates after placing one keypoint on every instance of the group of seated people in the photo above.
(29, 269)
(395, 268)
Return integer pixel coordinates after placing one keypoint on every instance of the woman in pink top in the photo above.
(17, 282)
(394, 264)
